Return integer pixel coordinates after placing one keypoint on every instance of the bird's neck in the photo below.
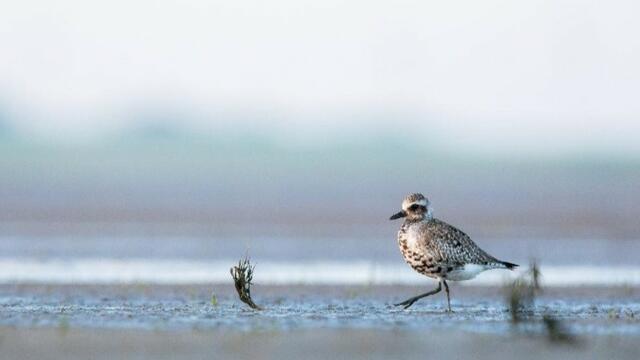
(429, 215)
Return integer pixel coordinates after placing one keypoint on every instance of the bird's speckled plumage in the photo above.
(438, 250)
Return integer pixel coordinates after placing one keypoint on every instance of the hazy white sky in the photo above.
(530, 76)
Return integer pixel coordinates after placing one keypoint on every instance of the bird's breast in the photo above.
(415, 255)
(412, 236)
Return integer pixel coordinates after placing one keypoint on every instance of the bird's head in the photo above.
(414, 207)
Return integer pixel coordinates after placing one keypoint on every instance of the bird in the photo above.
(439, 250)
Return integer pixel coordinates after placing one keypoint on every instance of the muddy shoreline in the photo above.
(96, 344)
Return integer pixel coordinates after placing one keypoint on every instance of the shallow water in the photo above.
(592, 311)
(330, 284)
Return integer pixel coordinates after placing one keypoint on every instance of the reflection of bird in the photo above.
(437, 249)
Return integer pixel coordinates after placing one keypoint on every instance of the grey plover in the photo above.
(438, 250)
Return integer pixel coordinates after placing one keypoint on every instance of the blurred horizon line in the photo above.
(174, 134)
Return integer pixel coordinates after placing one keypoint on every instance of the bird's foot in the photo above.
(406, 304)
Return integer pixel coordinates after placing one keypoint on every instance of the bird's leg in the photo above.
(410, 301)
(446, 288)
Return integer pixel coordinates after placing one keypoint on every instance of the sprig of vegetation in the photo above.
(521, 297)
(522, 292)
(242, 275)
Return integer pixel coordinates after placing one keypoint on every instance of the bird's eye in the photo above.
(414, 207)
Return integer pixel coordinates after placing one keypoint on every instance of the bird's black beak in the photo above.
(399, 215)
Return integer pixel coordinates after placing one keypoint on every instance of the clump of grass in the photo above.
(521, 297)
(535, 274)
(242, 276)
(214, 299)
(521, 294)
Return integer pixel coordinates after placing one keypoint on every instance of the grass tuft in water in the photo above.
(521, 295)
(242, 276)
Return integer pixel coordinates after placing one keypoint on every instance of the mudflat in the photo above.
(144, 321)
(87, 343)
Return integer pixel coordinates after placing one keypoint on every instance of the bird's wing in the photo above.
(453, 246)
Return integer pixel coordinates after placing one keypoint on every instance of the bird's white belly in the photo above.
(468, 272)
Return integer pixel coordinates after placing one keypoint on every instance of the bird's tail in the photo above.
(508, 265)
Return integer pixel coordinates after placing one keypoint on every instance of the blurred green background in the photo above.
(211, 118)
